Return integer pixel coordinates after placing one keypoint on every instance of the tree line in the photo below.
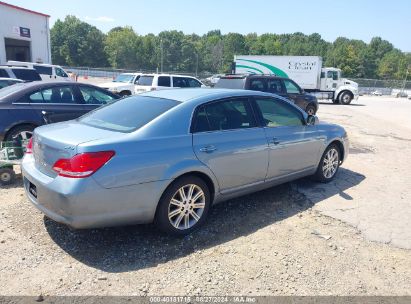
(77, 43)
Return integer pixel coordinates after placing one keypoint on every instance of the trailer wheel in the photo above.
(346, 97)
(6, 176)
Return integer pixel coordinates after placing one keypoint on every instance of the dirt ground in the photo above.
(349, 237)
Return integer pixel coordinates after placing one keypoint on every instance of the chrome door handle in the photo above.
(274, 141)
(208, 149)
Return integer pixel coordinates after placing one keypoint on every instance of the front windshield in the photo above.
(124, 78)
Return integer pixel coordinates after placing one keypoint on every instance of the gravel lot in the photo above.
(344, 238)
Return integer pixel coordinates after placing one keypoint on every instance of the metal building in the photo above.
(24, 35)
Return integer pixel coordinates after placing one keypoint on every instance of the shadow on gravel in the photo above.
(141, 246)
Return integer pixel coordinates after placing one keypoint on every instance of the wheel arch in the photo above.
(340, 146)
(19, 124)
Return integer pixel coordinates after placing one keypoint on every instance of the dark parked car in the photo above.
(271, 84)
(25, 106)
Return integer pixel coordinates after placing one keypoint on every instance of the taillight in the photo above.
(29, 147)
(82, 165)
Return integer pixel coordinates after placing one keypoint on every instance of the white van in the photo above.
(152, 82)
(48, 72)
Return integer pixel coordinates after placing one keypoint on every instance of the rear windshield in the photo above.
(26, 74)
(129, 114)
(11, 89)
(146, 80)
(230, 83)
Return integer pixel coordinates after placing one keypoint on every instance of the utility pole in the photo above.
(162, 54)
(196, 64)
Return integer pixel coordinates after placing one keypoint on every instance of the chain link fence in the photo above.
(385, 87)
(366, 86)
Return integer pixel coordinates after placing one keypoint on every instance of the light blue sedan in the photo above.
(168, 156)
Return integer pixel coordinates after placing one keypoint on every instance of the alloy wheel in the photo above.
(330, 163)
(186, 207)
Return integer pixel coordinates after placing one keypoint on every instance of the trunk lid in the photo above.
(56, 141)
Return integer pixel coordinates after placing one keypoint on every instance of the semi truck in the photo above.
(307, 71)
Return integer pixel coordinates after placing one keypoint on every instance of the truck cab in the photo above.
(343, 90)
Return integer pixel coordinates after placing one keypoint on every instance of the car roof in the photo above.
(163, 74)
(15, 67)
(185, 95)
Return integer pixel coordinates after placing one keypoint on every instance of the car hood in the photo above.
(114, 85)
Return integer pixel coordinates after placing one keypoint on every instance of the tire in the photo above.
(336, 101)
(178, 218)
(7, 176)
(345, 98)
(124, 93)
(24, 132)
(310, 109)
(324, 175)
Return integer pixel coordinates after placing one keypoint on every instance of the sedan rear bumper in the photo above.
(83, 203)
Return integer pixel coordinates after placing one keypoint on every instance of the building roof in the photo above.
(23, 9)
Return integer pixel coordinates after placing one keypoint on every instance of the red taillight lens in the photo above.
(82, 165)
(29, 147)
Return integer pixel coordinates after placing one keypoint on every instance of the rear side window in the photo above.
(129, 114)
(4, 74)
(225, 115)
(63, 95)
(275, 86)
(44, 70)
(146, 80)
(164, 81)
(26, 74)
(257, 85)
(95, 96)
(180, 82)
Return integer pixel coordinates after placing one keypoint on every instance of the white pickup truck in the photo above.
(124, 84)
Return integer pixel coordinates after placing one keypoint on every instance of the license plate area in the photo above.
(32, 190)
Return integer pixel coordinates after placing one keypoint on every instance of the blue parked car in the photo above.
(168, 156)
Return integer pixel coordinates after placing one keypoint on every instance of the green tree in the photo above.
(77, 43)
(121, 48)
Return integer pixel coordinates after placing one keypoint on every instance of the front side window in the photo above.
(225, 115)
(333, 75)
(291, 87)
(54, 95)
(164, 81)
(61, 73)
(94, 96)
(193, 83)
(277, 113)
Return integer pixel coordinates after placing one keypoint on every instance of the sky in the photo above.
(354, 19)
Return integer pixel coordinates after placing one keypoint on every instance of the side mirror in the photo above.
(311, 120)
